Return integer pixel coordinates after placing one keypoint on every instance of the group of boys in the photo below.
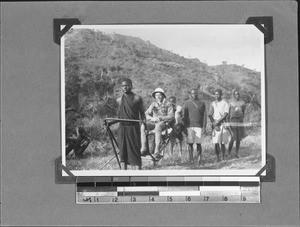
(132, 136)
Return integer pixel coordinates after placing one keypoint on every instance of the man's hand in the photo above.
(155, 119)
(217, 128)
(215, 124)
(74, 137)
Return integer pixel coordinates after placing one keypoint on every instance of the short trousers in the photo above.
(221, 137)
(194, 135)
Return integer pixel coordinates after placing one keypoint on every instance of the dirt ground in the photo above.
(101, 156)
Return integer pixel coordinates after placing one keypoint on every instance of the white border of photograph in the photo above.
(200, 172)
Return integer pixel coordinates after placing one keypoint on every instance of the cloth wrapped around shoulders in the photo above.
(237, 109)
(236, 118)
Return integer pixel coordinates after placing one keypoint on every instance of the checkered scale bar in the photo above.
(112, 190)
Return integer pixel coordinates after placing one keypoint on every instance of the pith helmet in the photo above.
(158, 90)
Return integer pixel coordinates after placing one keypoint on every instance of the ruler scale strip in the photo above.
(112, 190)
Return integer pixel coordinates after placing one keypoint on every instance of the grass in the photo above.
(98, 154)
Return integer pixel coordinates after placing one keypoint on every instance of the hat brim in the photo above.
(153, 94)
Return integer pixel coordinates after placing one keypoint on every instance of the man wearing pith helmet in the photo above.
(158, 115)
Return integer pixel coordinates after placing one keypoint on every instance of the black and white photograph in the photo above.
(149, 113)
(163, 99)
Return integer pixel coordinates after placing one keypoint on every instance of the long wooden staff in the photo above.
(112, 139)
(129, 120)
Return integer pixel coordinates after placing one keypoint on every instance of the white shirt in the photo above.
(218, 109)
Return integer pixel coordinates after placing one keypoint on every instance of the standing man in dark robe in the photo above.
(236, 119)
(130, 107)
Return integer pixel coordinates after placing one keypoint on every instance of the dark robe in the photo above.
(236, 115)
(129, 132)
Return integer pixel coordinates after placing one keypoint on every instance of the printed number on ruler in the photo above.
(206, 198)
(116, 199)
(224, 198)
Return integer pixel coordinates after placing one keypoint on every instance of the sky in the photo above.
(211, 43)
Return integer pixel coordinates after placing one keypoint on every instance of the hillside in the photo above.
(96, 62)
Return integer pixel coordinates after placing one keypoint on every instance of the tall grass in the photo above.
(100, 153)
